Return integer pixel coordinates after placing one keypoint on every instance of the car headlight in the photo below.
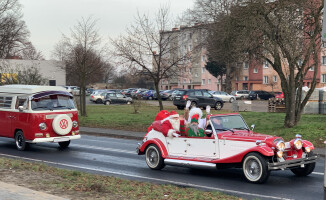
(280, 145)
(42, 126)
(297, 144)
(74, 124)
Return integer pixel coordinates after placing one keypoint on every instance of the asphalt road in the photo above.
(117, 157)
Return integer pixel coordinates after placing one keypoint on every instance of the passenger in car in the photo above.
(194, 110)
(193, 130)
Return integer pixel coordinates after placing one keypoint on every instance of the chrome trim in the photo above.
(188, 163)
(292, 163)
(54, 115)
(51, 139)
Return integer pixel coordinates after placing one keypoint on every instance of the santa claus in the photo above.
(173, 126)
(163, 114)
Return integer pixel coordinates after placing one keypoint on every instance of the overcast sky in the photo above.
(48, 19)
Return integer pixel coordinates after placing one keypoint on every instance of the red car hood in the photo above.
(245, 136)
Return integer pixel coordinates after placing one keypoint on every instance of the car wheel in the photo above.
(193, 104)
(154, 158)
(20, 141)
(306, 170)
(64, 144)
(218, 105)
(255, 168)
(231, 100)
(150, 98)
(98, 101)
(107, 103)
(242, 98)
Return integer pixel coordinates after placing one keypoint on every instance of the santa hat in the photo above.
(162, 115)
(194, 118)
(194, 111)
(173, 114)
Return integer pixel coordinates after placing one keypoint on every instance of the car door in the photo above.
(176, 146)
(201, 147)
(209, 99)
(121, 98)
(200, 97)
(113, 98)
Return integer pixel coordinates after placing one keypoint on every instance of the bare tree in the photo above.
(81, 53)
(14, 33)
(286, 33)
(30, 53)
(152, 50)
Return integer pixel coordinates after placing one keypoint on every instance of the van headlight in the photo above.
(42, 126)
(74, 124)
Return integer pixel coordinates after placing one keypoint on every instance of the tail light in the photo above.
(184, 97)
(92, 97)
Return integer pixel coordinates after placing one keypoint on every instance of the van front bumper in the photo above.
(55, 139)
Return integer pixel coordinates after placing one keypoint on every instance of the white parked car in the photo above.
(223, 95)
(74, 90)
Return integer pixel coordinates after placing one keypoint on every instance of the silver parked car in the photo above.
(241, 94)
(223, 95)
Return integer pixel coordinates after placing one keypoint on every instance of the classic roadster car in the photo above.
(230, 143)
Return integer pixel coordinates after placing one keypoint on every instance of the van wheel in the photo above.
(64, 144)
(20, 141)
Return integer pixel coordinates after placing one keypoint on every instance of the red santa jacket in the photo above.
(165, 127)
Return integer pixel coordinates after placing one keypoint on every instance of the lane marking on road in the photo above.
(107, 142)
(150, 178)
(318, 173)
(105, 149)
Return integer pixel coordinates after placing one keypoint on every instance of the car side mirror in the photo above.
(20, 108)
(208, 132)
(252, 127)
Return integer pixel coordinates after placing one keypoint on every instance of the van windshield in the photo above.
(53, 102)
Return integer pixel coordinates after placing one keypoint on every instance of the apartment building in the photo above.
(192, 73)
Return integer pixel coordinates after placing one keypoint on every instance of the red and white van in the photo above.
(35, 114)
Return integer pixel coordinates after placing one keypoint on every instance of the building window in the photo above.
(184, 80)
(203, 58)
(196, 75)
(189, 70)
(266, 64)
(275, 79)
(203, 70)
(323, 78)
(255, 70)
(245, 78)
(323, 61)
(190, 47)
(203, 81)
(162, 81)
(311, 68)
(265, 79)
(190, 80)
(209, 81)
(245, 65)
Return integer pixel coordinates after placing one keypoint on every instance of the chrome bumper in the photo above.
(54, 139)
(292, 163)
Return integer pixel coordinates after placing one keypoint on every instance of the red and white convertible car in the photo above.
(230, 143)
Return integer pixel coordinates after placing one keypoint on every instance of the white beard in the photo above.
(175, 124)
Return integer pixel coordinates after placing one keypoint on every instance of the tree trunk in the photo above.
(158, 95)
(290, 96)
(228, 83)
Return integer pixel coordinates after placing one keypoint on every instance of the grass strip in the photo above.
(79, 185)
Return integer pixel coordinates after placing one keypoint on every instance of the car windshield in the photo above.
(53, 102)
(228, 122)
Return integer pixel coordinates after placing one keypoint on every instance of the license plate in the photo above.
(177, 98)
(60, 139)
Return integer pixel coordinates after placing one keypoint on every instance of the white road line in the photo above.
(150, 178)
(318, 173)
(105, 149)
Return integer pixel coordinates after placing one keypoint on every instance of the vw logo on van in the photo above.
(63, 124)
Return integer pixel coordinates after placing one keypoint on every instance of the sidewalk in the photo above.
(140, 135)
(14, 192)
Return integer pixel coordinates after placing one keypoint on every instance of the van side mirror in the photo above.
(20, 108)
(252, 127)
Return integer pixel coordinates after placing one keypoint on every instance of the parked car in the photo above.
(149, 95)
(134, 93)
(98, 96)
(198, 98)
(116, 98)
(260, 94)
(223, 95)
(166, 94)
(241, 94)
(37, 114)
(234, 145)
(279, 95)
(74, 90)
